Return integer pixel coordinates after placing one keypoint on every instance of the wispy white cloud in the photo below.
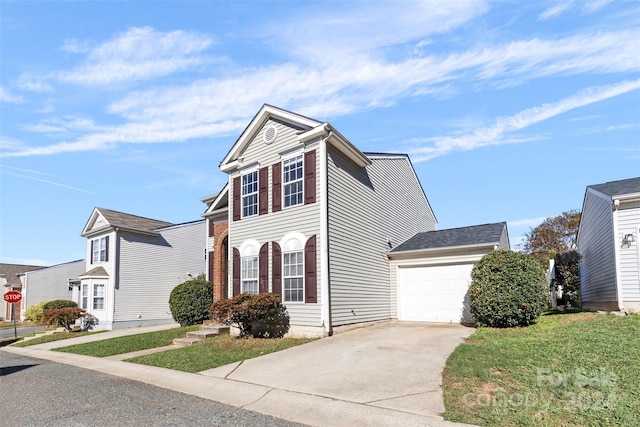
(46, 181)
(556, 10)
(75, 46)
(7, 97)
(526, 222)
(585, 7)
(32, 83)
(498, 133)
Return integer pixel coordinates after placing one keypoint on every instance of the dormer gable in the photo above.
(103, 220)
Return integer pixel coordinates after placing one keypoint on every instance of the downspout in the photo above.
(324, 237)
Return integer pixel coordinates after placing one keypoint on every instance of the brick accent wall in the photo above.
(220, 256)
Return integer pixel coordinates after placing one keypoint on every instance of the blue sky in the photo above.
(508, 109)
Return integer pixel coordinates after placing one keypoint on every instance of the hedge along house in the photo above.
(132, 265)
(608, 245)
(313, 219)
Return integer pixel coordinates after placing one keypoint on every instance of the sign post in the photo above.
(13, 297)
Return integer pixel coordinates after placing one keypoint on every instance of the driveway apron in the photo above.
(395, 365)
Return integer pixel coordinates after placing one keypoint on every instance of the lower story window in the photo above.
(85, 297)
(98, 297)
(293, 275)
(249, 275)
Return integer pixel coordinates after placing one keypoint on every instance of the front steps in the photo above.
(206, 331)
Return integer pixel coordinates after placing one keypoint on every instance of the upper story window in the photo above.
(293, 181)
(100, 249)
(250, 194)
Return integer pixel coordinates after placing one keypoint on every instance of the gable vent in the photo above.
(270, 134)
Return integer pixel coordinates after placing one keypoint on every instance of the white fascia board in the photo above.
(266, 112)
(215, 205)
(338, 141)
(90, 221)
(631, 197)
(434, 251)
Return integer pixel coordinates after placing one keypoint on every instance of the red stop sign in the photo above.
(13, 297)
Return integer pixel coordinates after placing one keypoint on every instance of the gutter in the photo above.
(324, 237)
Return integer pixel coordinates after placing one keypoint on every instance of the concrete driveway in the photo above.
(395, 365)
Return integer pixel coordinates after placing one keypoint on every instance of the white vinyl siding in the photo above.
(371, 210)
(150, 267)
(628, 218)
(272, 227)
(597, 250)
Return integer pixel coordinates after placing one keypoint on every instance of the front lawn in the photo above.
(129, 343)
(567, 369)
(217, 351)
(57, 336)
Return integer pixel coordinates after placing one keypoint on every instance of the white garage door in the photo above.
(434, 294)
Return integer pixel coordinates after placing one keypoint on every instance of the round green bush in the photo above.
(507, 289)
(33, 313)
(190, 301)
(59, 303)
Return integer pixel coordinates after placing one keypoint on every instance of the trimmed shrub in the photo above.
(33, 313)
(258, 315)
(507, 289)
(190, 301)
(59, 303)
(65, 317)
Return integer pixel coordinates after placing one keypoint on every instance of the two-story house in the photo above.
(132, 264)
(307, 215)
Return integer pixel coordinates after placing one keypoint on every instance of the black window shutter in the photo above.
(310, 177)
(263, 268)
(310, 281)
(263, 190)
(92, 251)
(276, 269)
(276, 187)
(237, 189)
(236, 272)
(106, 248)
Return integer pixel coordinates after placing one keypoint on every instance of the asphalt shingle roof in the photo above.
(11, 272)
(619, 188)
(134, 222)
(463, 236)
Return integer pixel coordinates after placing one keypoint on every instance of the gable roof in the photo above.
(217, 204)
(95, 272)
(11, 272)
(475, 235)
(310, 130)
(618, 188)
(122, 221)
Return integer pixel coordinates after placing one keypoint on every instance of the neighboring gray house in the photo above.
(314, 219)
(431, 272)
(132, 265)
(50, 283)
(608, 246)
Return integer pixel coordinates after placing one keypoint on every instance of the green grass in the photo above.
(54, 337)
(130, 343)
(217, 351)
(566, 370)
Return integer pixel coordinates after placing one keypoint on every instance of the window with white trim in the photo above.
(293, 275)
(98, 297)
(293, 181)
(99, 246)
(250, 194)
(84, 301)
(249, 275)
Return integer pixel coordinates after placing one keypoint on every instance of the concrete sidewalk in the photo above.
(387, 374)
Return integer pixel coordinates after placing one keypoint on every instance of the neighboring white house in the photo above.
(50, 283)
(132, 265)
(315, 220)
(608, 246)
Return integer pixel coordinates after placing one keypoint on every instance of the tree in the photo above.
(553, 236)
(568, 276)
(65, 317)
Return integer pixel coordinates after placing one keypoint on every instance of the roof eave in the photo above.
(337, 140)
(429, 251)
